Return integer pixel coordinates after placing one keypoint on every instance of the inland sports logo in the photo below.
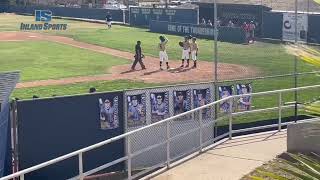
(43, 18)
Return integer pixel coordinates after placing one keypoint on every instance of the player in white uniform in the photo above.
(185, 51)
(194, 51)
(162, 51)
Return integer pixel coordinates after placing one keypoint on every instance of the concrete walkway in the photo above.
(230, 160)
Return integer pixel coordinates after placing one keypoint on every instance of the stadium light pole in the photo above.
(296, 62)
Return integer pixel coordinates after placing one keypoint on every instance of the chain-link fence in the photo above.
(267, 63)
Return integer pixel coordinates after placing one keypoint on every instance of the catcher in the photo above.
(138, 57)
(185, 51)
(162, 51)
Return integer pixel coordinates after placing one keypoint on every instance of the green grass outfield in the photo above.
(268, 58)
(41, 60)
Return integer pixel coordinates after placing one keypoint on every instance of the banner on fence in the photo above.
(159, 106)
(288, 27)
(136, 111)
(244, 103)
(224, 92)
(182, 103)
(57, 126)
(226, 34)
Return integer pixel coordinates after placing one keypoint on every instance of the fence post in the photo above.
(280, 112)
(22, 177)
(124, 16)
(230, 117)
(168, 143)
(80, 166)
(14, 122)
(200, 126)
(129, 157)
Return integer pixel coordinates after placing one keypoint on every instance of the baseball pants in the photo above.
(185, 54)
(163, 56)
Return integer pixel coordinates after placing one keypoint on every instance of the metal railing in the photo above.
(168, 139)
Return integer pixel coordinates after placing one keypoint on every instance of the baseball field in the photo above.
(90, 55)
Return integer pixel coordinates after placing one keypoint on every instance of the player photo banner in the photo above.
(244, 103)
(202, 97)
(225, 91)
(136, 111)
(159, 106)
(182, 103)
(288, 27)
(109, 113)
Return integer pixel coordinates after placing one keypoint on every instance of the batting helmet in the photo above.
(161, 38)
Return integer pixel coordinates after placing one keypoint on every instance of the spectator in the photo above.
(252, 28)
(35, 97)
(245, 28)
(230, 24)
(218, 23)
(203, 21)
(209, 23)
(92, 90)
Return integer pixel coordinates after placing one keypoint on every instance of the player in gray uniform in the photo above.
(245, 101)
(159, 108)
(106, 114)
(185, 51)
(135, 110)
(180, 104)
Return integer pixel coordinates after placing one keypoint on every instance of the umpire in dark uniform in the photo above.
(138, 57)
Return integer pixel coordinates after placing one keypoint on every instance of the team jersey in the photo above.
(193, 46)
(162, 45)
(186, 45)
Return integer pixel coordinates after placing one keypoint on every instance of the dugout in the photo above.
(238, 13)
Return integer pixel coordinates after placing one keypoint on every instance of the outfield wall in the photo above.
(225, 34)
(314, 28)
(143, 16)
(273, 22)
(87, 13)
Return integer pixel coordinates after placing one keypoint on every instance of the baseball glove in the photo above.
(181, 44)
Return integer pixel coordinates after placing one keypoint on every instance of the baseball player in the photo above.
(194, 51)
(159, 107)
(185, 52)
(162, 51)
(180, 104)
(106, 114)
(109, 20)
(135, 109)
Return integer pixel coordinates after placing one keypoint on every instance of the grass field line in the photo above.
(152, 74)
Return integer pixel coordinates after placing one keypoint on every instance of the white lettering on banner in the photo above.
(157, 11)
(146, 11)
(170, 12)
(186, 29)
(194, 30)
(135, 10)
(288, 27)
(171, 28)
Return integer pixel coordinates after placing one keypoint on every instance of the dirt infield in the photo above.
(152, 74)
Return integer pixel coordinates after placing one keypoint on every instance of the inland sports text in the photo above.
(44, 26)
